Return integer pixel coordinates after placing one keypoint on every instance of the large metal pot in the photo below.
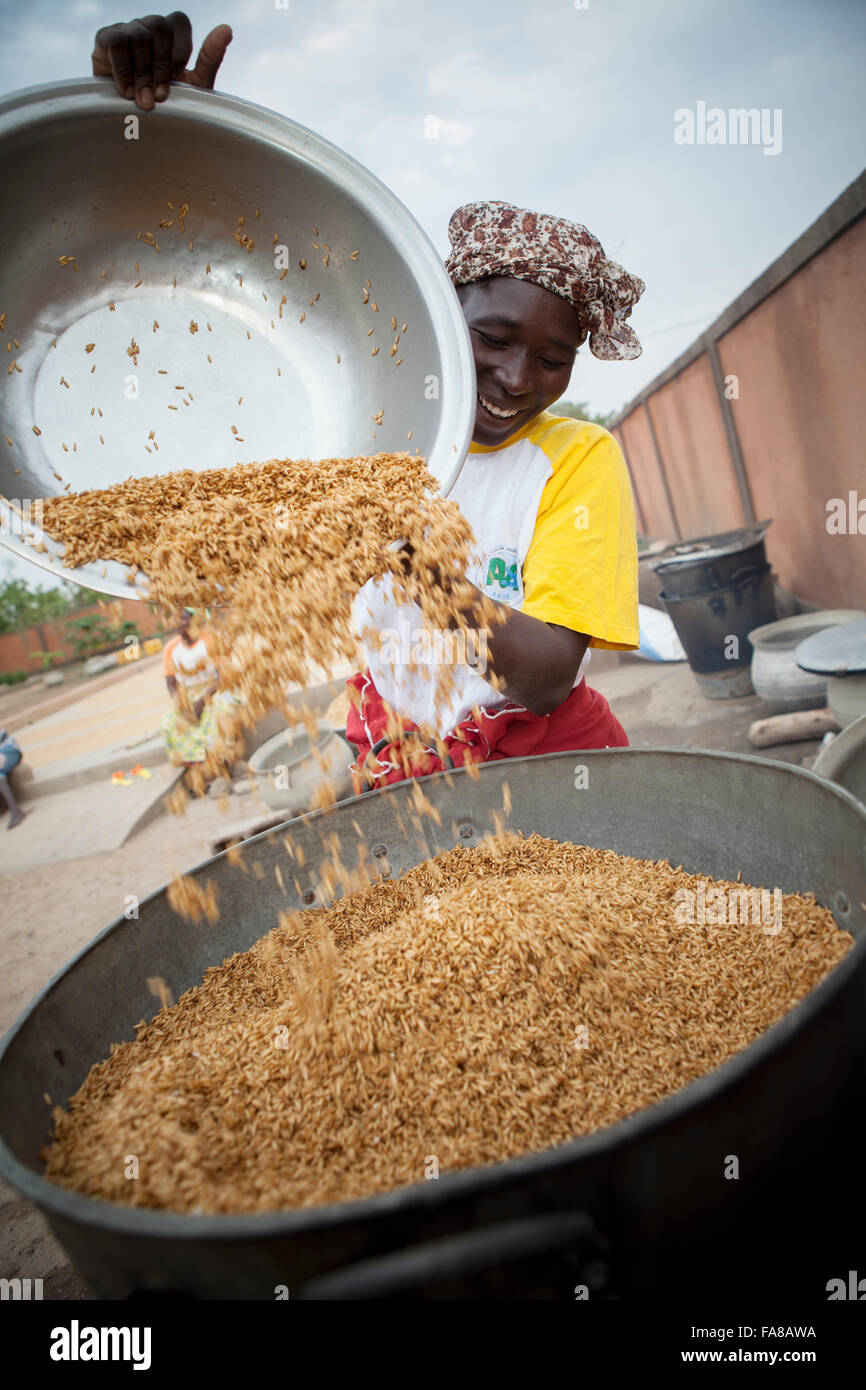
(93, 178)
(644, 1207)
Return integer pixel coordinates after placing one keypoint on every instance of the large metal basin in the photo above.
(76, 185)
(652, 1187)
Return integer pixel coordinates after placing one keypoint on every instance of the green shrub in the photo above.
(13, 677)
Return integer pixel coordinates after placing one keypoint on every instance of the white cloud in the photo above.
(562, 110)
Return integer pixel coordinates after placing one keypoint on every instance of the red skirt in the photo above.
(584, 720)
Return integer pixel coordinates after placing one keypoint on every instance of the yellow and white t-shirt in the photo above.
(553, 517)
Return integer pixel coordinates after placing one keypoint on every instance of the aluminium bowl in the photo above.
(225, 370)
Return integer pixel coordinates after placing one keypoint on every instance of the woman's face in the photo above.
(524, 339)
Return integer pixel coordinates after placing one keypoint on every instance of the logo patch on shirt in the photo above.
(499, 575)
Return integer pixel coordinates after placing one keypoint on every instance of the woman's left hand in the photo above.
(198, 707)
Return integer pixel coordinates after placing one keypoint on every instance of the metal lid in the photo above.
(702, 548)
(837, 651)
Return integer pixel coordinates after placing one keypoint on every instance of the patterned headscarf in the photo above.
(501, 239)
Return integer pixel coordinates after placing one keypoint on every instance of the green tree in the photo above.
(45, 657)
(579, 410)
(96, 631)
(22, 604)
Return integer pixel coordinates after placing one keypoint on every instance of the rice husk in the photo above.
(492, 1002)
(277, 551)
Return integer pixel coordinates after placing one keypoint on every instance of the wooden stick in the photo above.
(791, 728)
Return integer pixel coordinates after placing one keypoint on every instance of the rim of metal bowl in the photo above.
(28, 106)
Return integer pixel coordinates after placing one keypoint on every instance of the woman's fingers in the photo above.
(161, 32)
(146, 55)
(211, 54)
(111, 57)
(181, 43)
(141, 49)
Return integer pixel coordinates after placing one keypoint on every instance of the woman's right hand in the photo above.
(146, 55)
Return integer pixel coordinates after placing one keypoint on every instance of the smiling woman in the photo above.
(549, 502)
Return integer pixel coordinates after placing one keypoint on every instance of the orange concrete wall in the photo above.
(636, 441)
(691, 436)
(638, 508)
(16, 648)
(798, 356)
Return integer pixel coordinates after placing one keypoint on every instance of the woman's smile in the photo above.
(499, 411)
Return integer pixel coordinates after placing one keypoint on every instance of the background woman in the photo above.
(200, 728)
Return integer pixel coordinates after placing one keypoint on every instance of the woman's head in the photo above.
(524, 340)
(533, 288)
(185, 622)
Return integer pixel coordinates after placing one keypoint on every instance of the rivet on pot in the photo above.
(308, 896)
(466, 832)
(380, 851)
(841, 900)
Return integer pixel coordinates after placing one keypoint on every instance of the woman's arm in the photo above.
(536, 662)
(144, 56)
(203, 699)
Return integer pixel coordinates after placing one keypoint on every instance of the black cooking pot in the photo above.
(699, 566)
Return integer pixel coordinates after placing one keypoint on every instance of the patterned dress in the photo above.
(187, 739)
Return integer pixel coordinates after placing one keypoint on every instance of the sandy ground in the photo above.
(49, 915)
(129, 710)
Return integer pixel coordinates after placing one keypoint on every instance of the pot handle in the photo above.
(488, 1249)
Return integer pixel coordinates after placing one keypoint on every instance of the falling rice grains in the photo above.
(492, 1002)
(202, 537)
(192, 901)
(160, 990)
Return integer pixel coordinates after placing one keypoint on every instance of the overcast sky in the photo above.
(563, 109)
